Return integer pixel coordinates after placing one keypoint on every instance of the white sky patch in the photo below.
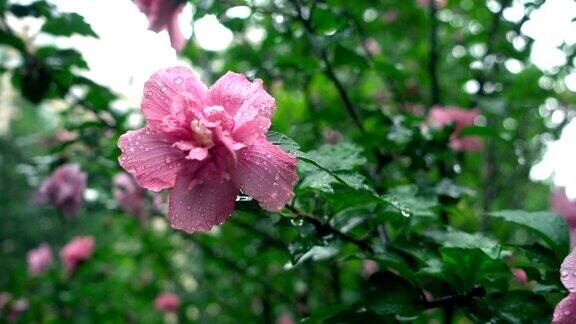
(550, 27)
(559, 161)
(211, 35)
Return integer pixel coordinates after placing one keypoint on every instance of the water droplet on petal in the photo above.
(178, 80)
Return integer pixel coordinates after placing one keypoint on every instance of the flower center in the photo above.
(201, 134)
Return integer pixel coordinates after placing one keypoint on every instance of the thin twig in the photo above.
(386, 79)
(454, 300)
(329, 69)
(324, 227)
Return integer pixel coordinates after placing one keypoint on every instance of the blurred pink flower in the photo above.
(167, 302)
(520, 275)
(414, 109)
(565, 311)
(285, 318)
(207, 144)
(129, 196)
(461, 118)
(64, 189)
(4, 299)
(561, 204)
(39, 259)
(372, 46)
(163, 14)
(369, 267)
(390, 16)
(426, 3)
(18, 307)
(76, 251)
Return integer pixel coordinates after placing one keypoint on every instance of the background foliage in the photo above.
(446, 229)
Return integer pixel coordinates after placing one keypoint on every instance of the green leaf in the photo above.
(355, 316)
(453, 238)
(465, 268)
(35, 9)
(12, 41)
(68, 24)
(347, 57)
(348, 152)
(339, 157)
(409, 203)
(391, 294)
(301, 253)
(548, 226)
(60, 58)
(325, 20)
(285, 142)
(512, 307)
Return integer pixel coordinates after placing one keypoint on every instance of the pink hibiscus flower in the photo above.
(76, 251)
(167, 302)
(565, 311)
(461, 118)
(163, 14)
(207, 144)
(39, 259)
(64, 189)
(129, 196)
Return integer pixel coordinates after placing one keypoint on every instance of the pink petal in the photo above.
(197, 153)
(150, 157)
(241, 98)
(469, 144)
(252, 131)
(568, 271)
(199, 206)
(565, 311)
(163, 88)
(177, 40)
(561, 204)
(266, 173)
